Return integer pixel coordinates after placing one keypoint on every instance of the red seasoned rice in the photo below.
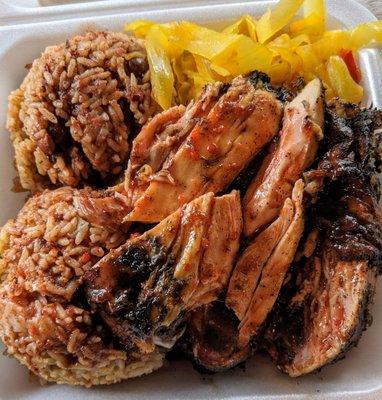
(43, 254)
(71, 118)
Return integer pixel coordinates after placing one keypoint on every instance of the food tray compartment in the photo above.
(23, 11)
(358, 377)
(14, 12)
(44, 3)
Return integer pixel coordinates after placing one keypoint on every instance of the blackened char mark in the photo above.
(347, 206)
(132, 269)
(261, 80)
(287, 323)
(135, 291)
(135, 260)
(211, 339)
(353, 240)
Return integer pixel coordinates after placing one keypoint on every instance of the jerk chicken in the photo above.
(144, 289)
(183, 153)
(260, 270)
(325, 307)
(252, 291)
(299, 138)
(288, 264)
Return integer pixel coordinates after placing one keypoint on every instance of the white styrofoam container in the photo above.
(26, 28)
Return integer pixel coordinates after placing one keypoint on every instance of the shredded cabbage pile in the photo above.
(184, 56)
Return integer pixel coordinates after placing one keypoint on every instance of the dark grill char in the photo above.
(347, 210)
(345, 213)
(145, 289)
(260, 80)
(128, 313)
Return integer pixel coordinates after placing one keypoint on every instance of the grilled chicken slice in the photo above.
(161, 137)
(221, 139)
(273, 273)
(158, 140)
(104, 208)
(325, 306)
(252, 292)
(248, 269)
(221, 246)
(339, 311)
(145, 289)
(299, 138)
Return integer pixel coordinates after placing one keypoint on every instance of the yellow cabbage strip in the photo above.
(273, 21)
(229, 54)
(162, 77)
(313, 22)
(183, 67)
(286, 41)
(140, 27)
(246, 25)
(197, 39)
(287, 62)
(216, 56)
(279, 71)
(291, 57)
(321, 72)
(204, 74)
(222, 72)
(341, 81)
(184, 56)
(366, 34)
(309, 58)
(243, 55)
(331, 43)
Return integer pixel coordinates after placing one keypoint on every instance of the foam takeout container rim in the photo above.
(24, 34)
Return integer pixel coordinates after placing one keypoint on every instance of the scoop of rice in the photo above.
(71, 117)
(44, 320)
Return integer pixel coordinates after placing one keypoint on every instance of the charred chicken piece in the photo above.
(299, 138)
(144, 289)
(325, 307)
(204, 150)
(221, 335)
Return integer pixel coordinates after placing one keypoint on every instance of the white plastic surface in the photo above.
(23, 11)
(359, 376)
